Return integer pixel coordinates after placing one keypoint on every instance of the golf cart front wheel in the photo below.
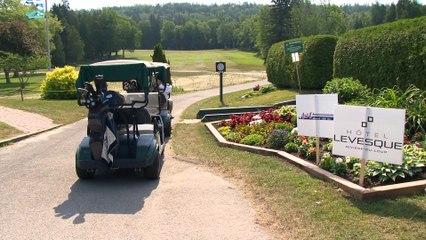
(84, 174)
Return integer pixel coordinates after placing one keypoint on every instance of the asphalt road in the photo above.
(42, 198)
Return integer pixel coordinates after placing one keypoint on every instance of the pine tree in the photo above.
(159, 55)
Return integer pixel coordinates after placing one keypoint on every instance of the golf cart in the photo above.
(125, 130)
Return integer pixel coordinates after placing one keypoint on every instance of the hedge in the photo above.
(384, 55)
(315, 66)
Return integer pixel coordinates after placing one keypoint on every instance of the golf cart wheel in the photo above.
(83, 174)
(152, 172)
(167, 131)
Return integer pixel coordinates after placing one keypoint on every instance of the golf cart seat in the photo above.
(156, 101)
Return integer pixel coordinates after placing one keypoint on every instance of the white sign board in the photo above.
(295, 57)
(315, 114)
(369, 133)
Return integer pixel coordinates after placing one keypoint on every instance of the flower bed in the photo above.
(277, 129)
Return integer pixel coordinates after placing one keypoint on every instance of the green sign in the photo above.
(292, 47)
(36, 14)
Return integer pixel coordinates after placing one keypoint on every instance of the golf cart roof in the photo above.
(123, 70)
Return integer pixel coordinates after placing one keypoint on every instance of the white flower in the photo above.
(347, 159)
(326, 155)
(339, 160)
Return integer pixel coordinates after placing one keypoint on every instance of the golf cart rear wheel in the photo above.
(168, 131)
(84, 174)
(152, 172)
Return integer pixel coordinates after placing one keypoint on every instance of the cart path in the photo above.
(25, 121)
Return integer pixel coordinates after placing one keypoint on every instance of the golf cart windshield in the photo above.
(125, 70)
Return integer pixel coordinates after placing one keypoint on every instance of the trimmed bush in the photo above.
(315, 67)
(348, 89)
(278, 138)
(384, 55)
(60, 84)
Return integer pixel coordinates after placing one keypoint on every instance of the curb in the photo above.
(214, 114)
(25, 136)
(356, 191)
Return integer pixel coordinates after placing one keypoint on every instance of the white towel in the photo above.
(110, 141)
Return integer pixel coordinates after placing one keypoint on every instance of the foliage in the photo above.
(309, 19)
(348, 89)
(286, 112)
(233, 137)
(267, 89)
(412, 99)
(337, 166)
(414, 161)
(374, 55)
(316, 63)
(278, 138)
(159, 55)
(253, 139)
(284, 125)
(59, 84)
(306, 147)
(258, 91)
(291, 147)
(224, 130)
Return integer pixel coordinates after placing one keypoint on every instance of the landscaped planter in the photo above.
(388, 191)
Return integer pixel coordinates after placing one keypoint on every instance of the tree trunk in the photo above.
(123, 53)
(15, 74)
(7, 75)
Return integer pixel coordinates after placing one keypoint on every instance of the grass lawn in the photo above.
(296, 205)
(12, 89)
(234, 100)
(60, 111)
(7, 131)
(204, 60)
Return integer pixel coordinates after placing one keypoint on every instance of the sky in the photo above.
(95, 4)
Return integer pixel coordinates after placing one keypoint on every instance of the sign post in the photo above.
(294, 48)
(221, 68)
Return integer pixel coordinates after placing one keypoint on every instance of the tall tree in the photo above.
(159, 55)
(73, 45)
(391, 13)
(58, 55)
(377, 12)
(408, 9)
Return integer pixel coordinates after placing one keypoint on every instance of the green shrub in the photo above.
(316, 63)
(412, 99)
(253, 139)
(60, 84)
(291, 147)
(384, 55)
(278, 138)
(347, 89)
(267, 88)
